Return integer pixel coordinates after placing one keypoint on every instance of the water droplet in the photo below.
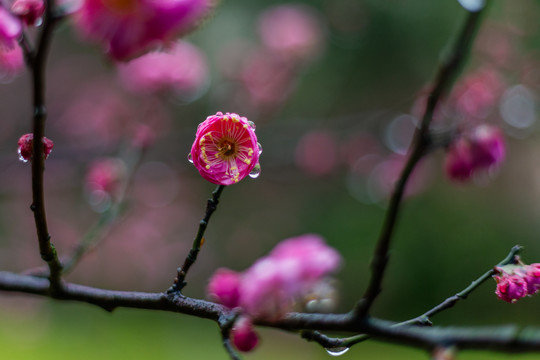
(190, 159)
(337, 351)
(260, 148)
(21, 157)
(252, 125)
(472, 5)
(255, 172)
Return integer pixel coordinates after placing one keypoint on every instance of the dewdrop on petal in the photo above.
(25, 146)
(225, 149)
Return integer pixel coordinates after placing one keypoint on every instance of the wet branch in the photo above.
(37, 62)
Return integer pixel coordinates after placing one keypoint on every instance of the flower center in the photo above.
(121, 6)
(227, 148)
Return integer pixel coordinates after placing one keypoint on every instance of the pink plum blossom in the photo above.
(292, 31)
(224, 287)
(10, 28)
(510, 288)
(243, 336)
(532, 277)
(25, 147)
(127, 28)
(274, 284)
(481, 148)
(181, 69)
(30, 11)
(225, 149)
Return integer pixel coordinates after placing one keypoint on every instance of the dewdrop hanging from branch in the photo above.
(225, 149)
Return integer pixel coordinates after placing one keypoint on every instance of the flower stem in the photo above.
(211, 206)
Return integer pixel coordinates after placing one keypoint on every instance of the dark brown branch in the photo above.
(448, 70)
(37, 65)
(182, 271)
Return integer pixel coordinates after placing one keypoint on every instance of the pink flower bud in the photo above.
(481, 148)
(458, 163)
(532, 277)
(224, 287)
(225, 149)
(488, 147)
(243, 337)
(510, 288)
(25, 146)
(30, 11)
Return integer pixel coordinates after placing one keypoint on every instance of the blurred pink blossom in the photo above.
(10, 28)
(532, 277)
(477, 94)
(481, 148)
(224, 287)
(243, 336)
(273, 284)
(292, 31)
(317, 153)
(30, 11)
(127, 28)
(105, 175)
(181, 69)
(26, 144)
(11, 62)
(268, 80)
(225, 149)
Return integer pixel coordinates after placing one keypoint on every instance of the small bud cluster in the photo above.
(482, 148)
(25, 147)
(274, 284)
(517, 281)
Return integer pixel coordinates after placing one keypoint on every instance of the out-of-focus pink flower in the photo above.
(532, 277)
(10, 28)
(30, 11)
(481, 148)
(225, 149)
(274, 284)
(181, 69)
(143, 136)
(488, 146)
(243, 336)
(510, 287)
(224, 287)
(477, 94)
(25, 146)
(317, 153)
(11, 62)
(458, 163)
(268, 80)
(127, 28)
(292, 31)
(105, 175)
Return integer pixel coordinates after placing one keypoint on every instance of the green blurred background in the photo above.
(377, 58)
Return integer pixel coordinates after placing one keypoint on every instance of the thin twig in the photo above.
(448, 70)
(38, 64)
(422, 320)
(109, 217)
(211, 206)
